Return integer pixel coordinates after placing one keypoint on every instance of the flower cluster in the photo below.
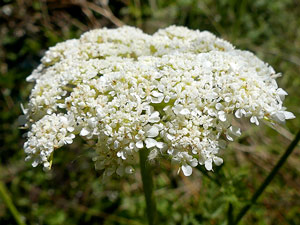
(174, 93)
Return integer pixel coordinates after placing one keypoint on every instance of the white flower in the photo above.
(46, 135)
(175, 94)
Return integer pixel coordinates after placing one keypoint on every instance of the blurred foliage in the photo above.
(74, 193)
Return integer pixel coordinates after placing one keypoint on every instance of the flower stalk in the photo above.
(268, 179)
(9, 203)
(148, 186)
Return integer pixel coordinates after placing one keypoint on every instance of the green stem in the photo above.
(148, 186)
(268, 179)
(8, 202)
(230, 214)
(206, 174)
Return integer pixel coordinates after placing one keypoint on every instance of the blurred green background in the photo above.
(74, 193)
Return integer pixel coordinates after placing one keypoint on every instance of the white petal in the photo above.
(23, 109)
(160, 126)
(154, 118)
(70, 138)
(254, 119)
(150, 142)
(170, 151)
(156, 100)
(46, 164)
(119, 154)
(157, 94)
(217, 160)
(229, 138)
(64, 119)
(184, 112)
(34, 163)
(160, 145)
(187, 170)
(222, 116)
(70, 129)
(177, 108)
(238, 113)
(219, 106)
(279, 117)
(139, 144)
(153, 153)
(170, 137)
(167, 99)
(131, 145)
(161, 87)
(208, 164)
(152, 132)
(193, 162)
(235, 131)
(84, 132)
(281, 92)
(116, 144)
(227, 99)
(289, 115)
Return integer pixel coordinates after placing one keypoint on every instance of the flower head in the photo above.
(174, 93)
